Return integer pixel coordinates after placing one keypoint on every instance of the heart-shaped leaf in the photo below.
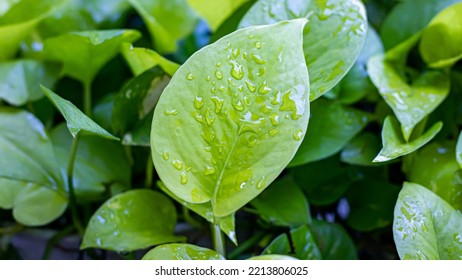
(242, 112)
(167, 21)
(333, 36)
(181, 252)
(132, 220)
(141, 60)
(76, 120)
(394, 144)
(216, 12)
(425, 226)
(441, 43)
(30, 180)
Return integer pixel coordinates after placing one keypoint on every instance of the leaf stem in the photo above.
(217, 236)
(149, 172)
(247, 244)
(87, 98)
(12, 229)
(55, 240)
(70, 184)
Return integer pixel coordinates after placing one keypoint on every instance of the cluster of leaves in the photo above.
(298, 130)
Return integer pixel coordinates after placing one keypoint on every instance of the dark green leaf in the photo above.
(362, 149)
(181, 252)
(141, 60)
(333, 241)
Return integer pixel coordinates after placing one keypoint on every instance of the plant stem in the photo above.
(70, 183)
(217, 236)
(87, 98)
(246, 245)
(54, 240)
(149, 172)
(12, 229)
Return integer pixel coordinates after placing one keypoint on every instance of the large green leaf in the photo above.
(99, 163)
(20, 80)
(273, 257)
(167, 21)
(181, 252)
(425, 226)
(84, 53)
(401, 24)
(18, 21)
(411, 102)
(394, 144)
(333, 241)
(215, 12)
(332, 39)
(441, 43)
(332, 126)
(30, 181)
(434, 166)
(132, 220)
(242, 106)
(141, 60)
(76, 120)
(283, 203)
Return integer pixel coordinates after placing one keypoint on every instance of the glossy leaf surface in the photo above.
(242, 116)
(272, 258)
(180, 251)
(395, 146)
(332, 39)
(215, 12)
(76, 120)
(459, 150)
(141, 60)
(167, 21)
(425, 226)
(332, 126)
(132, 220)
(333, 241)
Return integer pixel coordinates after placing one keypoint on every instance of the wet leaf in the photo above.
(130, 221)
(141, 60)
(394, 144)
(435, 167)
(20, 80)
(244, 119)
(333, 36)
(283, 204)
(333, 241)
(332, 126)
(273, 258)
(215, 12)
(459, 150)
(181, 252)
(167, 21)
(362, 149)
(84, 53)
(425, 226)
(75, 119)
(30, 182)
(441, 43)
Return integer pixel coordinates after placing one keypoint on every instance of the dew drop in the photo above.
(273, 132)
(261, 183)
(172, 112)
(183, 178)
(208, 78)
(261, 72)
(209, 118)
(207, 148)
(246, 100)
(208, 136)
(218, 103)
(222, 89)
(198, 117)
(251, 86)
(238, 105)
(177, 164)
(274, 119)
(198, 102)
(187, 168)
(258, 59)
(251, 141)
(240, 88)
(190, 76)
(218, 64)
(250, 36)
(209, 170)
(265, 109)
(258, 45)
(298, 135)
(165, 155)
(236, 52)
(219, 75)
(264, 89)
(236, 70)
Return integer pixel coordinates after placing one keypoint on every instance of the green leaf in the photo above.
(283, 204)
(273, 258)
(30, 180)
(84, 53)
(130, 221)
(99, 163)
(18, 21)
(167, 21)
(181, 252)
(399, 25)
(205, 210)
(441, 43)
(241, 109)
(395, 146)
(425, 226)
(141, 60)
(459, 150)
(371, 204)
(137, 99)
(216, 12)
(434, 166)
(333, 241)
(20, 80)
(75, 119)
(411, 102)
(332, 126)
(361, 150)
(333, 36)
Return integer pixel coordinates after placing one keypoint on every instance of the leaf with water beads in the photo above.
(181, 252)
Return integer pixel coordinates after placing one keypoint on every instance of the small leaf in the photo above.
(273, 258)
(20, 80)
(181, 252)
(130, 221)
(245, 112)
(333, 36)
(441, 43)
(283, 204)
(84, 53)
(167, 21)
(141, 60)
(332, 126)
(30, 181)
(395, 146)
(216, 12)
(76, 120)
(425, 226)
(361, 150)
(333, 241)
